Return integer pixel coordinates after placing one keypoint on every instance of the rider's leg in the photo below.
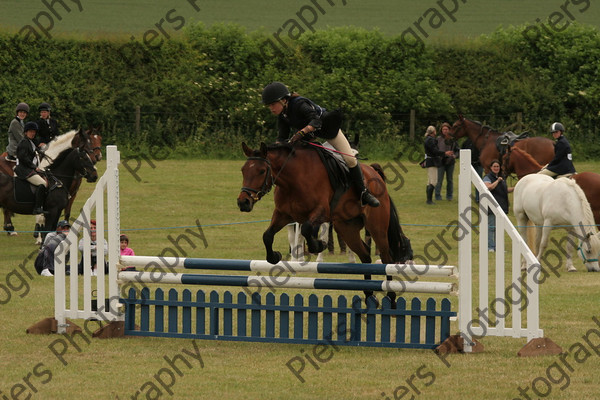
(40, 192)
(340, 143)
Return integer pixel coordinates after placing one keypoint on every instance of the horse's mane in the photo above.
(588, 217)
(489, 128)
(57, 146)
(528, 157)
(61, 157)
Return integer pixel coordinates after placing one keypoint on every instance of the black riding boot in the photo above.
(40, 198)
(430, 189)
(358, 182)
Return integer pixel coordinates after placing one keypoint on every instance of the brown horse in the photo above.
(484, 139)
(303, 194)
(522, 163)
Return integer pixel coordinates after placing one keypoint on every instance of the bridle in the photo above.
(267, 185)
(580, 249)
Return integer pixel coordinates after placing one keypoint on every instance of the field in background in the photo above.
(175, 194)
(101, 18)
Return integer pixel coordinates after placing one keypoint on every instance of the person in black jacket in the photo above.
(562, 163)
(309, 120)
(497, 186)
(433, 160)
(28, 165)
(47, 126)
(445, 143)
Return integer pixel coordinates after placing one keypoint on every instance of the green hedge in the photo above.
(200, 92)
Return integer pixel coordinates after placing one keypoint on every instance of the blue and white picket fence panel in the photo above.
(282, 319)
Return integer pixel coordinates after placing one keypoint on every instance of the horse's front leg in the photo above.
(278, 221)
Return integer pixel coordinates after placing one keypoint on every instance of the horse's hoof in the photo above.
(571, 269)
(12, 233)
(372, 302)
(392, 302)
(274, 258)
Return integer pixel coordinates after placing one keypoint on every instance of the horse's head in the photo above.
(94, 144)
(90, 142)
(458, 129)
(257, 177)
(589, 251)
(85, 166)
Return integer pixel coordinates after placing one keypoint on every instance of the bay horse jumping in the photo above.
(303, 194)
(522, 163)
(60, 176)
(484, 139)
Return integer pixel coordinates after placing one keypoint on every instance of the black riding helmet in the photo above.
(44, 107)
(273, 92)
(30, 126)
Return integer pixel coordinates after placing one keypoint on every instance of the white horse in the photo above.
(53, 149)
(547, 203)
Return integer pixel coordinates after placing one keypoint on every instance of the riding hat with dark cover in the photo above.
(44, 107)
(30, 126)
(273, 92)
(22, 107)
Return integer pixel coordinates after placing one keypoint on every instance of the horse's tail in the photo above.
(400, 248)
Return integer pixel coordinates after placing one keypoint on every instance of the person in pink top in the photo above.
(125, 249)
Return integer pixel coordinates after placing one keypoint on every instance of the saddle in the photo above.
(337, 170)
(24, 191)
(508, 139)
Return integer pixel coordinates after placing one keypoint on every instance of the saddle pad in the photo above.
(24, 191)
(337, 170)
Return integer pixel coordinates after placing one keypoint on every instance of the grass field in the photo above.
(176, 194)
(96, 18)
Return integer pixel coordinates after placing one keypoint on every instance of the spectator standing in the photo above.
(433, 159)
(497, 186)
(448, 145)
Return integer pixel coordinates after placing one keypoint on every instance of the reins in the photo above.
(267, 185)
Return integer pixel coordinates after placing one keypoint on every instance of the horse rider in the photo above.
(310, 120)
(28, 162)
(15, 131)
(562, 163)
(47, 126)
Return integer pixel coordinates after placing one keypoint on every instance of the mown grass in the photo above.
(101, 19)
(176, 194)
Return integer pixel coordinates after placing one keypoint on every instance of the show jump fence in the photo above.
(132, 306)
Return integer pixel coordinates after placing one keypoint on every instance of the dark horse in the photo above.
(61, 174)
(89, 141)
(522, 163)
(484, 139)
(303, 194)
